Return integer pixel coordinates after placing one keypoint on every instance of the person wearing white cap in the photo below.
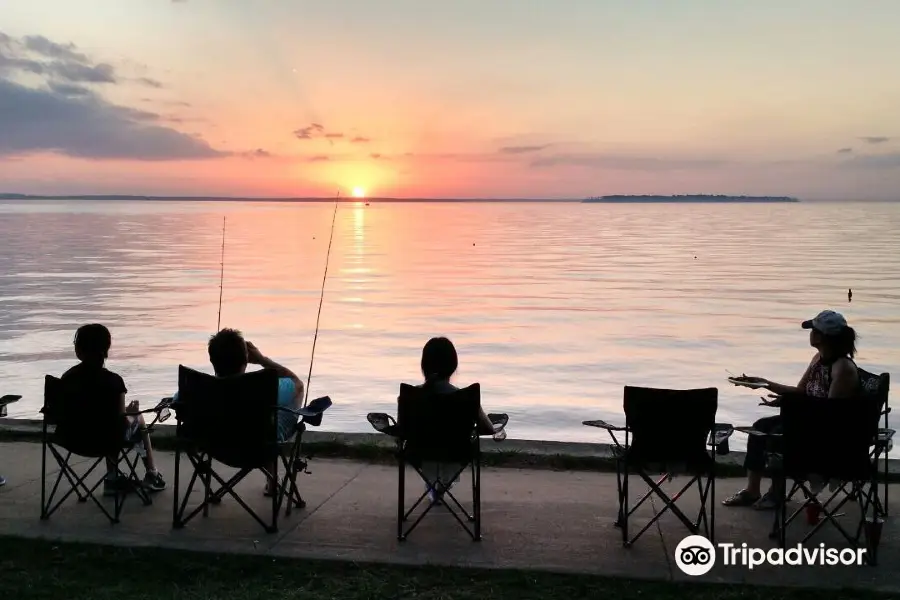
(831, 374)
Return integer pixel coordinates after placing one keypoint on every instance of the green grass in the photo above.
(37, 569)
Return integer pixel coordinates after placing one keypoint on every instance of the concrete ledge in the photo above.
(378, 448)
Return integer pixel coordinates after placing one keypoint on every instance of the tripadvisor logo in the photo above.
(695, 555)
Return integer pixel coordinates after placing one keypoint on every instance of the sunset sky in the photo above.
(460, 99)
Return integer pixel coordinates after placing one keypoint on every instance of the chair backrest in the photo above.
(670, 426)
(437, 426)
(877, 385)
(233, 419)
(88, 422)
(830, 437)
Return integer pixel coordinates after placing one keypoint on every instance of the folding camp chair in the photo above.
(89, 424)
(233, 421)
(829, 438)
(672, 432)
(440, 429)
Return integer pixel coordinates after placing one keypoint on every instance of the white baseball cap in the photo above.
(827, 322)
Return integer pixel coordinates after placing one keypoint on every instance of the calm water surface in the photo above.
(553, 307)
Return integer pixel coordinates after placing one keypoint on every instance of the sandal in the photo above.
(742, 498)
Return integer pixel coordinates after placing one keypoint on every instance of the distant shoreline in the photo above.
(692, 198)
(297, 200)
(600, 199)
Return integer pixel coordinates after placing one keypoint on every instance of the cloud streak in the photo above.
(309, 132)
(875, 161)
(65, 115)
(522, 149)
(38, 55)
(87, 126)
(315, 131)
(875, 139)
(626, 163)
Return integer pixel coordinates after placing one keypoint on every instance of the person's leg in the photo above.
(153, 479)
(754, 462)
(287, 429)
(775, 494)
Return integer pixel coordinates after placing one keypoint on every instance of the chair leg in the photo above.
(276, 498)
(44, 515)
(176, 523)
(477, 507)
(624, 505)
(401, 491)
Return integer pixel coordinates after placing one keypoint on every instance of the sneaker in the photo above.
(154, 482)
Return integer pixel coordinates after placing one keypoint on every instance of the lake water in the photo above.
(554, 307)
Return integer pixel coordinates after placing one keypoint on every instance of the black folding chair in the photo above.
(86, 423)
(669, 432)
(831, 439)
(233, 421)
(441, 429)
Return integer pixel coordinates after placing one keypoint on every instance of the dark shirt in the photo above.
(442, 386)
(94, 380)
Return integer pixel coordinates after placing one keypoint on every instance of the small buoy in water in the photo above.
(849, 295)
(473, 243)
(695, 258)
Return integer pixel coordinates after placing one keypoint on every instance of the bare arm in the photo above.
(800, 388)
(484, 424)
(844, 379)
(268, 363)
(256, 357)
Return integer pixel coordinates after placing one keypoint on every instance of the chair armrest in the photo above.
(312, 412)
(383, 423)
(9, 399)
(162, 405)
(752, 431)
(498, 420)
(313, 409)
(163, 410)
(720, 434)
(885, 435)
(603, 425)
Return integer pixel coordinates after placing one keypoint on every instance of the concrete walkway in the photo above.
(532, 519)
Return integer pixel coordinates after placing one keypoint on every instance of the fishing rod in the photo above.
(321, 298)
(221, 278)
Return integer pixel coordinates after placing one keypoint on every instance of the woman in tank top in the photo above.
(831, 374)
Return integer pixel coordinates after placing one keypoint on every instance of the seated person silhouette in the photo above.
(92, 344)
(439, 363)
(230, 354)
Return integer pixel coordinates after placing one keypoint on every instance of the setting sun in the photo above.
(359, 192)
